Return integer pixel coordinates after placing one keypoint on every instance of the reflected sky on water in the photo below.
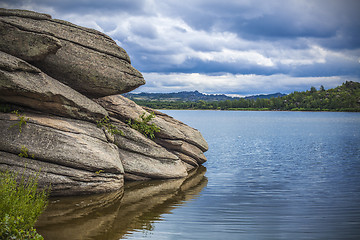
(269, 175)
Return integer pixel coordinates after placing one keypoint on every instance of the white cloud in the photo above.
(233, 56)
(174, 41)
(236, 83)
(280, 39)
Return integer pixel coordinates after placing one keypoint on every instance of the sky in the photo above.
(239, 47)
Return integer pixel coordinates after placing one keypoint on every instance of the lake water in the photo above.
(269, 175)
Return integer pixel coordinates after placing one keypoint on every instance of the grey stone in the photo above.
(150, 168)
(185, 148)
(88, 61)
(143, 159)
(190, 162)
(134, 141)
(185, 132)
(25, 85)
(185, 142)
(73, 155)
(123, 108)
(53, 66)
(24, 13)
(26, 45)
(62, 180)
(91, 73)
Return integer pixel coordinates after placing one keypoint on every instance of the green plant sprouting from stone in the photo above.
(100, 171)
(22, 120)
(24, 153)
(110, 128)
(143, 125)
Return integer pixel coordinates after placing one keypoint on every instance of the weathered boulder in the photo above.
(28, 21)
(50, 69)
(184, 132)
(140, 167)
(73, 155)
(29, 46)
(88, 61)
(123, 108)
(183, 147)
(24, 13)
(25, 85)
(143, 159)
(185, 142)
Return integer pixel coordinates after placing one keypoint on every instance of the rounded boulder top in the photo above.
(85, 59)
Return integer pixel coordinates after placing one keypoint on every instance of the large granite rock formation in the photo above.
(50, 70)
(84, 59)
(24, 84)
(181, 140)
(74, 156)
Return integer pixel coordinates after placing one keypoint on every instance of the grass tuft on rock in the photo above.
(143, 126)
(108, 126)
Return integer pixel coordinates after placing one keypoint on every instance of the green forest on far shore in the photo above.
(345, 98)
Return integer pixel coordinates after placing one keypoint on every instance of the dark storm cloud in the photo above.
(271, 26)
(143, 29)
(334, 20)
(82, 6)
(333, 67)
(232, 44)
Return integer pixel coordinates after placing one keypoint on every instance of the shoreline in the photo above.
(253, 110)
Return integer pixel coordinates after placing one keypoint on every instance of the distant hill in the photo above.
(342, 98)
(184, 96)
(266, 96)
(190, 96)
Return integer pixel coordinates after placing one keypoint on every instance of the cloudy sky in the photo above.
(239, 47)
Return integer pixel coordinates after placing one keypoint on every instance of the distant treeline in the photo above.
(343, 98)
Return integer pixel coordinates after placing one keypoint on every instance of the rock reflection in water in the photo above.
(112, 215)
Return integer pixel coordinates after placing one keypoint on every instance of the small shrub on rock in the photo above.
(22, 120)
(143, 125)
(105, 123)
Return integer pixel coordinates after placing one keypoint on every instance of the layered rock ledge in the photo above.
(62, 79)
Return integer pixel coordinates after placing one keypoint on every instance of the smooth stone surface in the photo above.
(183, 141)
(25, 85)
(73, 155)
(147, 167)
(143, 159)
(88, 61)
(63, 180)
(28, 46)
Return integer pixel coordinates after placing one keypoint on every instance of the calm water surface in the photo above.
(269, 175)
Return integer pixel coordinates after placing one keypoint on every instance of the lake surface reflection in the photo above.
(269, 175)
(113, 215)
